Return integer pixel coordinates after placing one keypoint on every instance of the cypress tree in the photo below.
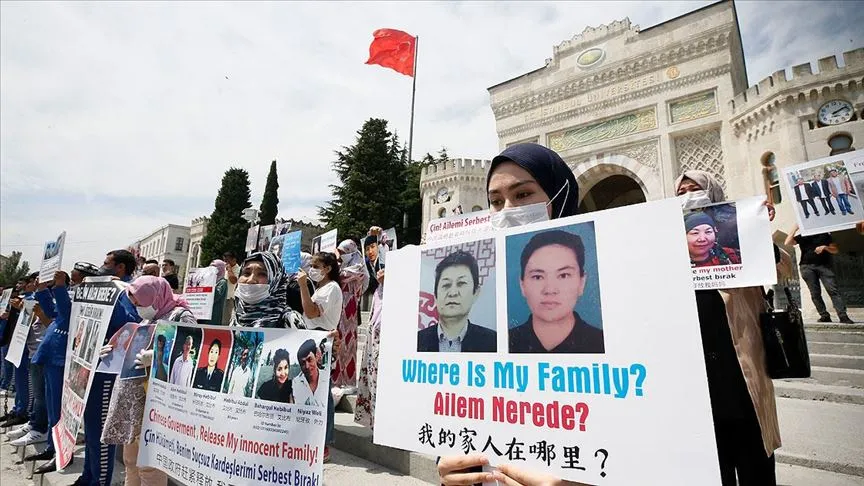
(270, 201)
(227, 228)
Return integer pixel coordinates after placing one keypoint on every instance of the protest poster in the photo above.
(614, 401)
(19, 336)
(52, 257)
(730, 244)
(827, 192)
(443, 229)
(325, 242)
(291, 252)
(251, 238)
(386, 242)
(112, 363)
(92, 306)
(237, 407)
(142, 339)
(200, 291)
(282, 228)
(4, 299)
(264, 237)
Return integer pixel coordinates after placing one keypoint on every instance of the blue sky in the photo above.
(117, 118)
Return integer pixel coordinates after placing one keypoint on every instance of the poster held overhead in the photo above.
(52, 258)
(325, 242)
(291, 252)
(251, 239)
(4, 299)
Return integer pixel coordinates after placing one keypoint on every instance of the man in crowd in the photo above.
(804, 196)
(241, 375)
(169, 273)
(822, 190)
(232, 273)
(151, 267)
(841, 187)
(817, 266)
(181, 371)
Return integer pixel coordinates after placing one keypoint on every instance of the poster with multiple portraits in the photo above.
(92, 305)
(826, 193)
(444, 229)
(729, 244)
(547, 346)
(18, 342)
(200, 290)
(52, 257)
(125, 344)
(236, 405)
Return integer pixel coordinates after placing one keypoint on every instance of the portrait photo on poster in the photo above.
(141, 340)
(457, 305)
(243, 363)
(113, 362)
(712, 235)
(215, 350)
(553, 291)
(827, 193)
(162, 346)
(187, 345)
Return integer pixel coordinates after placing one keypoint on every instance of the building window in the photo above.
(772, 178)
(840, 144)
(178, 245)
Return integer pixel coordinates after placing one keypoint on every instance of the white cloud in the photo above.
(101, 101)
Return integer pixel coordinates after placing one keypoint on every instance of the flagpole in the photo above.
(413, 93)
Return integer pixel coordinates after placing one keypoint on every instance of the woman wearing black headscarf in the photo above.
(526, 183)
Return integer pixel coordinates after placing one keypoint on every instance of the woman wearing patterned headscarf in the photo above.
(260, 298)
(353, 280)
(154, 300)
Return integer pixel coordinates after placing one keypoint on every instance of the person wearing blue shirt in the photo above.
(99, 457)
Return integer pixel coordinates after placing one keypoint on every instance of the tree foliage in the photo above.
(13, 269)
(270, 201)
(227, 228)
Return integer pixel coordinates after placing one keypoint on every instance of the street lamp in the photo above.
(251, 216)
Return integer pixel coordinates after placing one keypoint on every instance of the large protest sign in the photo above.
(463, 225)
(612, 399)
(251, 239)
(52, 257)
(826, 193)
(19, 336)
(730, 244)
(92, 306)
(4, 299)
(291, 252)
(230, 406)
(265, 234)
(325, 242)
(200, 291)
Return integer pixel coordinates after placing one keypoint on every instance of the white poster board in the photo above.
(826, 193)
(200, 291)
(19, 336)
(251, 238)
(325, 242)
(52, 258)
(617, 402)
(252, 418)
(730, 244)
(463, 225)
(4, 299)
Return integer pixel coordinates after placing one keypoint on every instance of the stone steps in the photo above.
(838, 376)
(837, 361)
(848, 349)
(809, 389)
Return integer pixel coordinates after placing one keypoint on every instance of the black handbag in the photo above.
(786, 353)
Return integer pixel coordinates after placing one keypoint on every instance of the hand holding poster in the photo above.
(730, 244)
(556, 354)
(52, 257)
(235, 406)
(827, 192)
(199, 292)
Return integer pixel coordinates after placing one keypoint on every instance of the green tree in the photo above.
(13, 270)
(270, 201)
(227, 228)
(411, 201)
(372, 180)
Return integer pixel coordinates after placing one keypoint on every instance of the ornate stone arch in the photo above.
(589, 172)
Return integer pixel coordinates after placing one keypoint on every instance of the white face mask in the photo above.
(315, 274)
(252, 293)
(694, 199)
(147, 313)
(519, 216)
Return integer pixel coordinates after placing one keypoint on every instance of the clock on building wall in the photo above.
(835, 112)
(442, 196)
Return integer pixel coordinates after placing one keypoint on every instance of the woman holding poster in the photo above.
(353, 281)
(526, 183)
(260, 297)
(154, 300)
(742, 394)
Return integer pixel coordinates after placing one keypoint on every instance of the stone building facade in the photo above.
(197, 231)
(629, 109)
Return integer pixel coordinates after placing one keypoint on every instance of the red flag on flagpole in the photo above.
(393, 49)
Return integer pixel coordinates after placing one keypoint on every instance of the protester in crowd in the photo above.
(521, 177)
(23, 304)
(154, 300)
(367, 383)
(35, 431)
(169, 273)
(7, 371)
(742, 394)
(841, 187)
(232, 273)
(278, 388)
(183, 367)
(817, 269)
(322, 311)
(98, 456)
(82, 270)
(241, 375)
(220, 293)
(140, 261)
(353, 280)
(705, 250)
(260, 297)
(151, 268)
(293, 297)
(210, 377)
